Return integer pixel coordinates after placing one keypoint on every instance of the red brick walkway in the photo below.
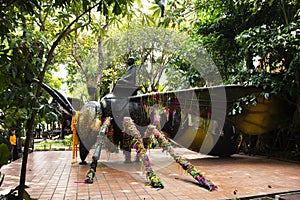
(50, 175)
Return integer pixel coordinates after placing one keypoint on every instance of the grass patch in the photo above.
(54, 145)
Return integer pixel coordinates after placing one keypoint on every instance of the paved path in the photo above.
(50, 175)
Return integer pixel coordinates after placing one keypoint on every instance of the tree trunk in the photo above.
(296, 117)
(100, 65)
(296, 123)
(249, 60)
(30, 124)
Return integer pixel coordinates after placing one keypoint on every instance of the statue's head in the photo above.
(89, 123)
(130, 61)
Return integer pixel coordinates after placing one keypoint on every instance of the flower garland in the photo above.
(75, 140)
(109, 142)
(187, 166)
(90, 174)
(131, 129)
(105, 125)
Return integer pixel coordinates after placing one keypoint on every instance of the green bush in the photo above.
(4, 154)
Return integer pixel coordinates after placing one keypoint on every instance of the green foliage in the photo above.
(4, 154)
(229, 27)
(13, 195)
(277, 45)
(54, 143)
(68, 140)
(153, 49)
(182, 69)
(176, 14)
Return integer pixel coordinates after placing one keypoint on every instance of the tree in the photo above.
(248, 29)
(93, 53)
(153, 48)
(30, 33)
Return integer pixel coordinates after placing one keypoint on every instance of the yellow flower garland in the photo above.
(75, 141)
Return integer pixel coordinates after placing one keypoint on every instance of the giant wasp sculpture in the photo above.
(195, 118)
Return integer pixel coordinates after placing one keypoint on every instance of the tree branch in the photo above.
(65, 32)
(78, 60)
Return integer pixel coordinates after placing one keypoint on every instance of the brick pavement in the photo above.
(50, 175)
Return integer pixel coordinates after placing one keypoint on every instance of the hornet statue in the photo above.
(128, 120)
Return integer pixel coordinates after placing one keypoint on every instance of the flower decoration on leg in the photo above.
(131, 129)
(187, 166)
